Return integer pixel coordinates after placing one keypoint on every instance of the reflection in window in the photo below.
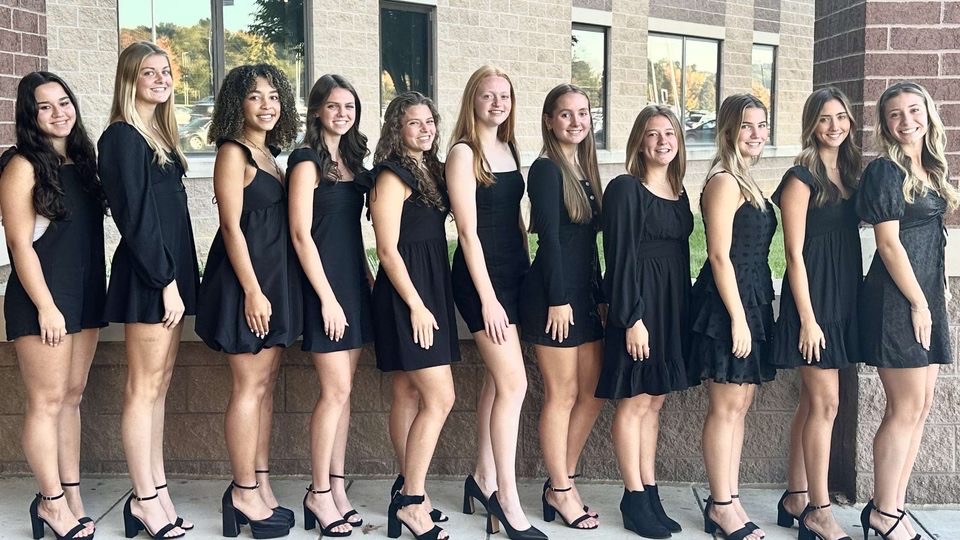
(588, 71)
(761, 84)
(682, 74)
(405, 51)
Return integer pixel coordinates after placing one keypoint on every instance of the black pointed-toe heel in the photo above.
(83, 520)
(711, 527)
(179, 521)
(471, 492)
(638, 515)
(274, 526)
(497, 516)
(37, 522)
(550, 512)
(283, 511)
(351, 512)
(784, 518)
(806, 533)
(132, 525)
(657, 506)
(310, 519)
(394, 522)
(867, 527)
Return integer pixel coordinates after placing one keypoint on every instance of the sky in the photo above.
(184, 12)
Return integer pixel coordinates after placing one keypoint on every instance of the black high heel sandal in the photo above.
(310, 518)
(550, 512)
(37, 522)
(132, 525)
(638, 516)
(867, 527)
(784, 518)
(82, 519)
(436, 515)
(471, 491)
(179, 521)
(806, 533)
(711, 527)
(497, 516)
(272, 527)
(585, 507)
(283, 511)
(351, 512)
(657, 506)
(750, 525)
(394, 522)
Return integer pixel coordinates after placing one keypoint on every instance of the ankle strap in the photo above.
(812, 507)
(317, 491)
(734, 496)
(164, 486)
(402, 500)
(262, 471)
(340, 476)
(709, 500)
(236, 485)
(43, 497)
(141, 499)
(788, 492)
(560, 490)
(897, 516)
(69, 484)
(574, 476)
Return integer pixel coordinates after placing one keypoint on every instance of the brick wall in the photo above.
(766, 16)
(23, 48)
(704, 12)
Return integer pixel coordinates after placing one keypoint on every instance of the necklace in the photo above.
(272, 160)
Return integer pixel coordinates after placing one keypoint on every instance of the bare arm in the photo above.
(898, 266)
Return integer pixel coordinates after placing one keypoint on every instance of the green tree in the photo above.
(280, 22)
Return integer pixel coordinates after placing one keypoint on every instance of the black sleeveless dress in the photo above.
(336, 232)
(498, 227)
(886, 327)
(646, 243)
(221, 323)
(711, 343)
(72, 259)
(832, 258)
(149, 206)
(423, 247)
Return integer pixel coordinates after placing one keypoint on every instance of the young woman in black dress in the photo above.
(325, 207)
(249, 303)
(153, 276)
(560, 297)
(646, 242)
(53, 206)
(483, 173)
(904, 194)
(817, 328)
(731, 306)
(415, 323)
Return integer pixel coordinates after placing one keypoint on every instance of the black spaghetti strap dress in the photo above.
(566, 269)
(221, 322)
(711, 343)
(149, 206)
(646, 243)
(832, 258)
(72, 259)
(885, 322)
(504, 253)
(423, 247)
(337, 206)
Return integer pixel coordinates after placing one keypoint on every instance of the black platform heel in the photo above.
(550, 512)
(310, 518)
(471, 491)
(806, 533)
(37, 522)
(497, 516)
(711, 527)
(394, 522)
(132, 525)
(352, 511)
(638, 516)
(179, 521)
(272, 527)
(283, 511)
(784, 518)
(657, 506)
(436, 515)
(867, 527)
(83, 520)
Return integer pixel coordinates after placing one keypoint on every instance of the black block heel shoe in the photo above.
(351, 512)
(471, 492)
(784, 517)
(272, 527)
(283, 511)
(710, 526)
(37, 522)
(638, 515)
(550, 513)
(436, 515)
(806, 533)
(310, 519)
(179, 521)
(83, 520)
(132, 525)
(393, 521)
(497, 516)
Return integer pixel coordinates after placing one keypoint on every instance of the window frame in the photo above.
(604, 76)
(772, 112)
(431, 55)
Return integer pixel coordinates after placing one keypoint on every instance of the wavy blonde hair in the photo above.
(848, 158)
(635, 164)
(574, 198)
(728, 157)
(932, 157)
(124, 108)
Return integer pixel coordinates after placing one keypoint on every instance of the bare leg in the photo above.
(337, 463)
(649, 434)
(159, 423)
(266, 428)
(932, 372)
(404, 407)
(485, 471)
(627, 436)
(822, 388)
(84, 348)
(587, 407)
(796, 471)
(737, 452)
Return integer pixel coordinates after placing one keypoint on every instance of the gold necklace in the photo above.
(272, 160)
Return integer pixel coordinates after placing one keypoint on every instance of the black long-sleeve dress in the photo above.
(149, 206)
(566, 269)
(646, 244)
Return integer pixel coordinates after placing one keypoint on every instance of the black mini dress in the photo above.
(885, 319)
(337, 206)
(149, 206)
(711, 342)
(504, 252)
(221, 322)
(423, 247)
(646, 243)
(72, 259)
(832, 259)
(566, 268)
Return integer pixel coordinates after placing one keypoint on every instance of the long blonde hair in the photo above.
(848, 157)
(932, 157)
(465, 130)
(728, 157)
(124, 107)
(574, 199)
(635, 164)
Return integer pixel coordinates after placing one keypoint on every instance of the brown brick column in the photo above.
(23, 48)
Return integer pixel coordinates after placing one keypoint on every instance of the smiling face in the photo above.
(338, 112)
(491, 104)
(56, 114)
(417, 130)
(261, 106)
(905, 117)
(833, 124)
(753, 132)
(570, 120)
(659, 144)
(154, 80)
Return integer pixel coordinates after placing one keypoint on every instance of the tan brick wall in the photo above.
(627, 79)
(794, 62)
(737, 50)
(23, 48)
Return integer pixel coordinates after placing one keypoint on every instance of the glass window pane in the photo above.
(762, 80)
(588, 72)
(404, 53)
(664, 71)
(700, 90)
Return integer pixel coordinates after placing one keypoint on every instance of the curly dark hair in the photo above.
(35, 147)
(353, 144)
(431, 187)
(227, 122)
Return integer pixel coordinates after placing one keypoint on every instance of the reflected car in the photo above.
(705, 133)
(193, 135)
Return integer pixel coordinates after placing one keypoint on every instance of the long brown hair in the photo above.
(848, 158)
(574, 199)
(635, 164)
(728, 157)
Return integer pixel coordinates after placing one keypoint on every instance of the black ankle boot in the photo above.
(638, 516)
(657, 506)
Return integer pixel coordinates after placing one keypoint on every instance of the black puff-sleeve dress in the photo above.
(711, 342)
(423, 247)
(832, 259)
(149, 206)
(221, 322)
(885, 319)
(646, 243)
(566, 268)
(335, 229)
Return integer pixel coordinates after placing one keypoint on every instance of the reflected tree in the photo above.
(280, 22)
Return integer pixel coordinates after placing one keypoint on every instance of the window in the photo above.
(682, 73)
(588, 71)
(205, 39)
(406, 51)
(762, 83)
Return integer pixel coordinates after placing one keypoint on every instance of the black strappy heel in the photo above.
(82, 519)
(37, 522)
(550, 512)
(132, 525)
(806, 533)
(750, 525)
(179, 521)
(784, 517)
(867, 527)
(394, 522)
(310, 519)
(585, 507)
(351, 512)
(711, 527)
(436, 515)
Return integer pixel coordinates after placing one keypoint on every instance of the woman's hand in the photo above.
(812, 341)
(638, 342)
(257, 310)
(53, 327)
(495, 321)
(922, 325)
(423, 323)
(334, 320)
(742, 340)
(559, 321)
(173, 307)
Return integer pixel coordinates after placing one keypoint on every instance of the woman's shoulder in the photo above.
(388, 165)
(122, 135)
(883, 168)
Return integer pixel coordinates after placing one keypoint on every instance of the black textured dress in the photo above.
(711, 343)
(423, 247)
(566, 269)
(886, 327)
(149, 205)
(221, 322)
(72, 259)
(646, 243)
(504, 253)
(337, 206)
(832, 258)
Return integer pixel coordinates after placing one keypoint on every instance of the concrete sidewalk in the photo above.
(199, 501)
